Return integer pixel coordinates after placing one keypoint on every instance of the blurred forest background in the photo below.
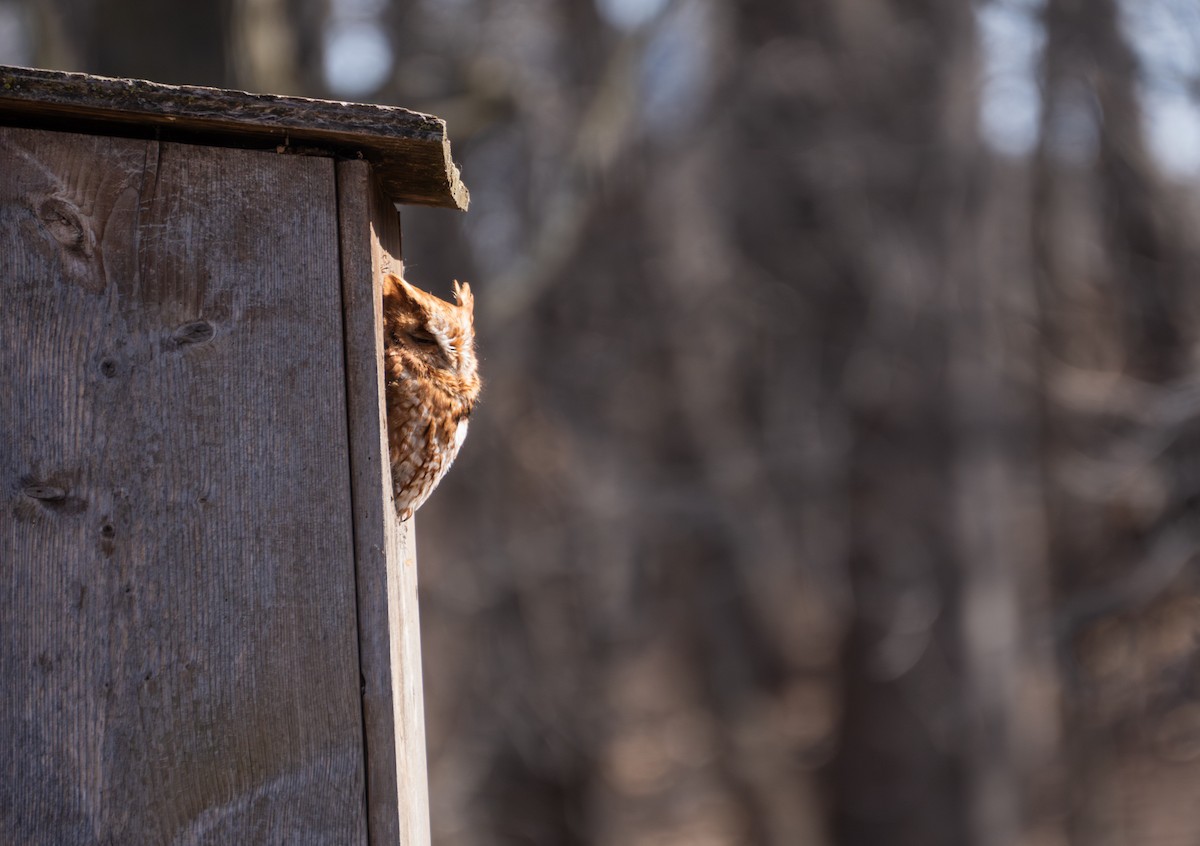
(836, 480)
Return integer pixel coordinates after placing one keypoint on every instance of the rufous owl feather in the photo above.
(431, 383)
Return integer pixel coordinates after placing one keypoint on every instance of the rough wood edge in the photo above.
(389, 631)
(409, 150)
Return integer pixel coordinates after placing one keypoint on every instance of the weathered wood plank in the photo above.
(389, 631)
(410, 151)
(178, 657)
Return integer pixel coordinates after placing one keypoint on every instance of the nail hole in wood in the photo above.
(107, 530)
(108, 367)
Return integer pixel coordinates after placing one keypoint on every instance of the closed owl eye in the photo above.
(422, 337)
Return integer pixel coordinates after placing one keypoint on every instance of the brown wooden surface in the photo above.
(389, 632)
(410, 151)
(178, 649)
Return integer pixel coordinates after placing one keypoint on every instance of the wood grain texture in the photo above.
(389, 630)
(178, 648)
(410, 151)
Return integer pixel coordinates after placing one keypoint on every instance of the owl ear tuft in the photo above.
(462, 293)
(393, 286)
(400, 295)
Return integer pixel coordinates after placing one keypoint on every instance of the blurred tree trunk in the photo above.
(872, 175)
(183, 43)
(1120, 438)
(165, 42)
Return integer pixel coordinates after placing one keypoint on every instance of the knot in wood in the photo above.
(195, 332)
(46, 493)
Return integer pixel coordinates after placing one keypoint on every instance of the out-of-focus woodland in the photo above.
(836, 478)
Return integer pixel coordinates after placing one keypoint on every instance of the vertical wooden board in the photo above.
(178, 656)
(68, 217)
(389, 627)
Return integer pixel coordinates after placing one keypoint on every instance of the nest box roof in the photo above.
(409, 150)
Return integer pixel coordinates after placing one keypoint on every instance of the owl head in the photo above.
(431, 338)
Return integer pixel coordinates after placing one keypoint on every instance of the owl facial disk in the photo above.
(428, 323)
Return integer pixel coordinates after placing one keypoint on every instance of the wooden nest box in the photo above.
(208, 622)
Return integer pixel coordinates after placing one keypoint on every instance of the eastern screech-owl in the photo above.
(431, 384)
